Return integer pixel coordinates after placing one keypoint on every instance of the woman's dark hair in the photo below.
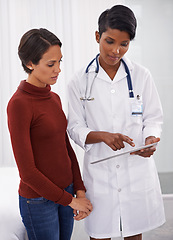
(34, 44)
(118, 17)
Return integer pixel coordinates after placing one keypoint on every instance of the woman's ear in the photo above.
(30, 65)
(97, 35)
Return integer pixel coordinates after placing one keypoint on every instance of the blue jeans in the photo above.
(46, 220)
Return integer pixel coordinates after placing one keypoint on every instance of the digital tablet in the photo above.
(133, 149)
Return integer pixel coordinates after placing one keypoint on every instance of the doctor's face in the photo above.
(113, 45)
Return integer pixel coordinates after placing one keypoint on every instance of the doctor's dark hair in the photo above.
(118, 17)
(34, 44)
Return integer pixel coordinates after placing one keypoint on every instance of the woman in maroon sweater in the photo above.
(47, 164)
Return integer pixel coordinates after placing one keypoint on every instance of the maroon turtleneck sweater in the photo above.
(45, 159)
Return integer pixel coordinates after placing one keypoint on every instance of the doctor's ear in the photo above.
(97, 35)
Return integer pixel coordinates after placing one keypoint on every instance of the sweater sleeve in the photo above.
(77, 180)
(19, 120)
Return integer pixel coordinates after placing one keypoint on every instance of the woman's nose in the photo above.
(57, 68)
(116, 49)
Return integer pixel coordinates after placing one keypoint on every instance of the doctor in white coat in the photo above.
(114, 106)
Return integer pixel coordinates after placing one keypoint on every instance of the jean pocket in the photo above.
(39, 200)
(70, 189)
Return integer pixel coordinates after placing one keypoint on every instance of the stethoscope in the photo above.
(89, 98)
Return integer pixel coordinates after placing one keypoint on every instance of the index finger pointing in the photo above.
(129, 141)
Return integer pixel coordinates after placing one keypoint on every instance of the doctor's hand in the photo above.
(113, 140)
(147, 152)
(116, 140)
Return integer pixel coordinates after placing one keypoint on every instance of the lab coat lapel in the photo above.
(121, 73)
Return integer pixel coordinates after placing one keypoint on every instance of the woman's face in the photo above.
(48, 68)
(113, 45)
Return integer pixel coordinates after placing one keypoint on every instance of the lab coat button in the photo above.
(118, 166)
(112, 90)
(119, 190)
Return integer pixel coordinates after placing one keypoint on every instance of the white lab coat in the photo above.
(123, 189)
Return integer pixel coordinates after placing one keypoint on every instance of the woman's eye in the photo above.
(124, 44)
(50, 65)
(109, 41)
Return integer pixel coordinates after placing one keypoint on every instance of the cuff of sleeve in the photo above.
(152, 131)
(83, 137)
(65, 199)
(79, 186)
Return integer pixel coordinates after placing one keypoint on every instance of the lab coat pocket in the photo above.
(134, 121)
(141, 173)
(101, 181)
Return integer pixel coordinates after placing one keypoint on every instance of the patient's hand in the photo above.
(81, 205)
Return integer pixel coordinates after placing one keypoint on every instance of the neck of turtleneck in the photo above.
(33, 90)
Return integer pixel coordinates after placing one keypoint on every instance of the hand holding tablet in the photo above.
(132, 150)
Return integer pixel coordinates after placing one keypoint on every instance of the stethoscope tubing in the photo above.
(129, 80)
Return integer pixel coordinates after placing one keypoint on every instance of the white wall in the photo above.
(75, 22)
(71, 21)
(153, 48)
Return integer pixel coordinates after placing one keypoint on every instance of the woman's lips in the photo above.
(114, 58)
(55, 77)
